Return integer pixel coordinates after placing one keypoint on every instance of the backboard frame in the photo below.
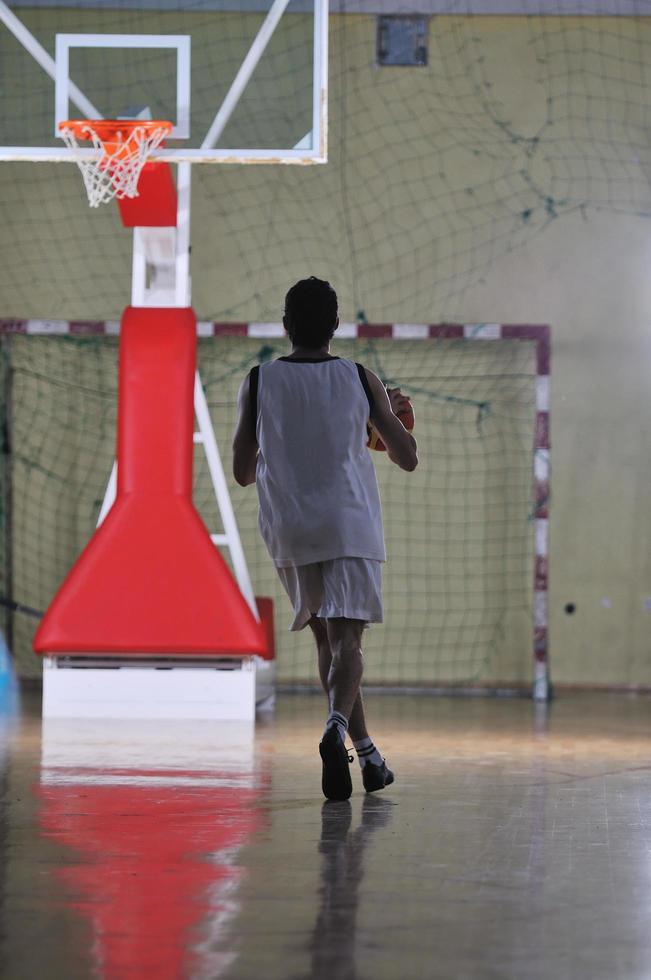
(311, 149)
(176, 42)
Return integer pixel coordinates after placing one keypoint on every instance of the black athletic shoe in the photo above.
(376, 777)
(335, 781)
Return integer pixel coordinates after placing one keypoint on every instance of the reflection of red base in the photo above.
(151, 580)
(155, 869)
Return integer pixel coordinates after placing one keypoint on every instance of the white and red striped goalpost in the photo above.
(538, 335)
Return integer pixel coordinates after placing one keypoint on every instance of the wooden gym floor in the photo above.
(516, 843)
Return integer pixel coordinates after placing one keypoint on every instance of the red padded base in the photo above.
(151, 580)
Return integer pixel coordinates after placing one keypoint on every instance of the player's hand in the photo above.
(399, 402)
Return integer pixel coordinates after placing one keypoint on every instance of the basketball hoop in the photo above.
(124, 146)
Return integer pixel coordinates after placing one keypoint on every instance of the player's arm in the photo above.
(401, 445)
(245, 446)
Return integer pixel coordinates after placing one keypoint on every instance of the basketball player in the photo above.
(301, 437)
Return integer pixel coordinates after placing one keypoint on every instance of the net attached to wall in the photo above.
(435, 173)
(459, 531)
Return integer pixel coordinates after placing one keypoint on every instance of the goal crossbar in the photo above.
(536, 334)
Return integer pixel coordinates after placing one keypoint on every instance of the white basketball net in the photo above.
(116, 173)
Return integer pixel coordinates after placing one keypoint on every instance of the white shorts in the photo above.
(348, 587)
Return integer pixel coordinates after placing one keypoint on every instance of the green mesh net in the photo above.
(459, 530)
(435, 173)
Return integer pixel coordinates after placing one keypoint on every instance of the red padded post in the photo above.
(151, 581)
(155, 205)
(266, 610)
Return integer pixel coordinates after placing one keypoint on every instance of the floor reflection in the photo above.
(152, 823)
(157, 851)
(333, 945)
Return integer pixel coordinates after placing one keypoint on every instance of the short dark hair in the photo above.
(311, 313)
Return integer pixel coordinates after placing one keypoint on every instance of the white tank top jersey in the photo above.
(317, 488)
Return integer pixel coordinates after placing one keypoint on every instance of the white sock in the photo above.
(366, 752)
(340, 722)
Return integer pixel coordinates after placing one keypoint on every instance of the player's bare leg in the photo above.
(344, 677)
(345, 635)
(347, 667)
(357, 720)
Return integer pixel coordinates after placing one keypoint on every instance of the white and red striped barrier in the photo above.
(533, 333)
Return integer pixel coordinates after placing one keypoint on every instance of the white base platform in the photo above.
(114, 687)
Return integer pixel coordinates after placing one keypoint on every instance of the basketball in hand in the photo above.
(406, 415)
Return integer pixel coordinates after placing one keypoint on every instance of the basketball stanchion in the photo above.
(136, 567)
(150, 622)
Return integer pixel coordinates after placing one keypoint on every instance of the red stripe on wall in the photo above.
(541, 490)
(443, 330)
(532, 331)
(230, 329)
(526, 331)
(87, 327)
(375, 330)
(540, 644)
(540, 575)
(542, 430)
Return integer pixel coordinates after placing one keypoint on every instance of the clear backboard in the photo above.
(242, 81)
